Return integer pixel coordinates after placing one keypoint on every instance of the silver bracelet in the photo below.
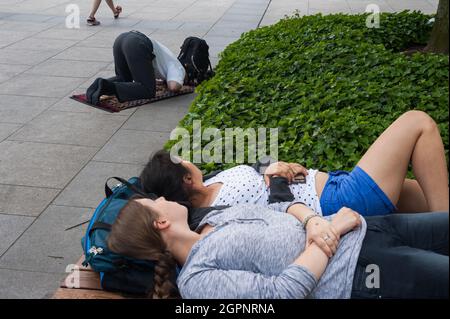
(305, 222)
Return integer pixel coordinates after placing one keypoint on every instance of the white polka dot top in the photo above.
(243, 184)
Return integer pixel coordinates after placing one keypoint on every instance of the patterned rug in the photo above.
(112, 105)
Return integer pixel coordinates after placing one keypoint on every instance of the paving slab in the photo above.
(37, 199)
(120, 150)
(11, 228)
(62, 33)
(228, 31)
(24, 56)
(160, 25)
(16, 284)
(6, 129)
(8, 71)
(40, 85)
(29, 17)
(240, 18)
(8, 37)
(161, 116)
(246, 10)
(31, 7)
(196, 15)
(26, 26)
(87, 54)
(79, 69)
(220, 40)
(82, 129)
(199, 27)
(40, 164)
(162, 16)
(3, 15)
(36, 44)
(87, 188)
(22, 109)
(48, 246)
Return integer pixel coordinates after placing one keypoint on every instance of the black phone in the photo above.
(299, 179)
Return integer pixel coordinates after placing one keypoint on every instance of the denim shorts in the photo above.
(355, 190)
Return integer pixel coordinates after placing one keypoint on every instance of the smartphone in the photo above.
(299, 179)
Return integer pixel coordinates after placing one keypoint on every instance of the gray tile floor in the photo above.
(55, 154)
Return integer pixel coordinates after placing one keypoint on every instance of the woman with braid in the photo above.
(250, 251)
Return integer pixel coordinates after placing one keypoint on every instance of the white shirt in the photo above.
(166, 64)
(243, 184)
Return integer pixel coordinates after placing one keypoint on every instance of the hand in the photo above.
(283, 169)
(322, 232)
(346, 220)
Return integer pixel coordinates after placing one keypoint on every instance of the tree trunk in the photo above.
(438, 42)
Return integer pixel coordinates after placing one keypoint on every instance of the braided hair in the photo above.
(133, 234)
(163, 287)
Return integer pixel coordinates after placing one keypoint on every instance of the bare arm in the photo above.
(314, 258)
(300, 211)
(318, 230)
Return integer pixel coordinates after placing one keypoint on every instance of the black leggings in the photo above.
(135, 76)
(411, 253)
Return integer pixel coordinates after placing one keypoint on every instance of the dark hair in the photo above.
(163, 177)
(133, 234)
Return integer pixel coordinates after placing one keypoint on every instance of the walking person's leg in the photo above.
(414, 137)
(91, 19)
(115, 9)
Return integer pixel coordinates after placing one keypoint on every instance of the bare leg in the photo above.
(111, 5)
(412, 199)
(95, 6)
(414, 137)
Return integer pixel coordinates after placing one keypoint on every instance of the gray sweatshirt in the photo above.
(250, 254)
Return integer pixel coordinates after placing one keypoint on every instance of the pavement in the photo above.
(55, 154)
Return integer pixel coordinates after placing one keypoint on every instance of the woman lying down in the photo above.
(376, 186)
(250, 251)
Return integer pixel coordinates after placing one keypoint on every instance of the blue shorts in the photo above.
(355, 190)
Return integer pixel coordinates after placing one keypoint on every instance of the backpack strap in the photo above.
(99, 225)
(134, 188)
